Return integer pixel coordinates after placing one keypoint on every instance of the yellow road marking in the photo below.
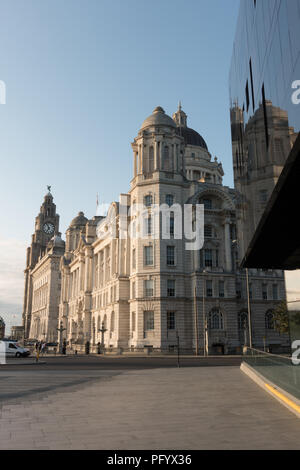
(283, 398)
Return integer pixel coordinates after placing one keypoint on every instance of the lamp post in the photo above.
(61, 329)
(102, 330)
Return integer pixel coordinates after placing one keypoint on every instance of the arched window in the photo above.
(207, 203)
(151, 159)
(269, 320)
(105, 322)
(243, 321)
(216, 320)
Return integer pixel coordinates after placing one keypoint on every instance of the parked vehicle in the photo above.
(12, 349)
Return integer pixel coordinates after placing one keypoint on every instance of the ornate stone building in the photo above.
(141, 291)
(42, 276)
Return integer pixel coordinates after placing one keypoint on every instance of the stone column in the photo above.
(155, 155)
(228, 259)
(135, 163)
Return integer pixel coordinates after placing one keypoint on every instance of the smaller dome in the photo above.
(79, 221)
(158, 118)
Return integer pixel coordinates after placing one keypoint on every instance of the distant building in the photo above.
(2, 328)
(17, 333)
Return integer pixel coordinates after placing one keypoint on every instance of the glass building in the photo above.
(265, 122)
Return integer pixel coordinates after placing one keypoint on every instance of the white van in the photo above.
(12, 349)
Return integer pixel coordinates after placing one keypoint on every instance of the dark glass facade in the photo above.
(265, 115)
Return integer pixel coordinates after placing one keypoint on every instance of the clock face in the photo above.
(48, 228)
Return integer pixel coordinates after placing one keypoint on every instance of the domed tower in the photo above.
(197, 159)
(158, 147)
(74, 231)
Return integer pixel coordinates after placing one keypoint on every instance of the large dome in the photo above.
(79, 221)
(158, 118)
(191, 137)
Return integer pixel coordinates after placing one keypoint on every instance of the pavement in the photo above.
(159, 408)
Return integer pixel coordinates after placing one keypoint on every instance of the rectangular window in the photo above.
(170, 255)
(169, 199)
(250, 291)
(265, 292)
(209, 289)
(133, 290)
(238, 290)
(148, 225)
(172, 224)
(221, 289)
(171, 325)
(208, 258)
(148, 200)
(217, 258)
(171, 288)
(149, 288)
(148, 255)
(148, 320)
(275, 292)
(208, 231)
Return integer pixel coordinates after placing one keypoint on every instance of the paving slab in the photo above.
(187, 408)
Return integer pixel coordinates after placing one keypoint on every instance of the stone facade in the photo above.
(17, 333)
(142, 291)
(128, 280)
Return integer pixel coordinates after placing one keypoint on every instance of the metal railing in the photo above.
(278, 369)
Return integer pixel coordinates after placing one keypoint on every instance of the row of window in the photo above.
(215, 320)
(148, 255)
(148, 200)
(149, 288)
(265, 294)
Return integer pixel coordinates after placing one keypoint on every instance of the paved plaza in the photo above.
(212, 407)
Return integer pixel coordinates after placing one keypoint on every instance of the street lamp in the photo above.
(102, 330)
(61, 329)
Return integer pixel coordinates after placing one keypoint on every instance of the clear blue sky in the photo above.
(81, 76)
